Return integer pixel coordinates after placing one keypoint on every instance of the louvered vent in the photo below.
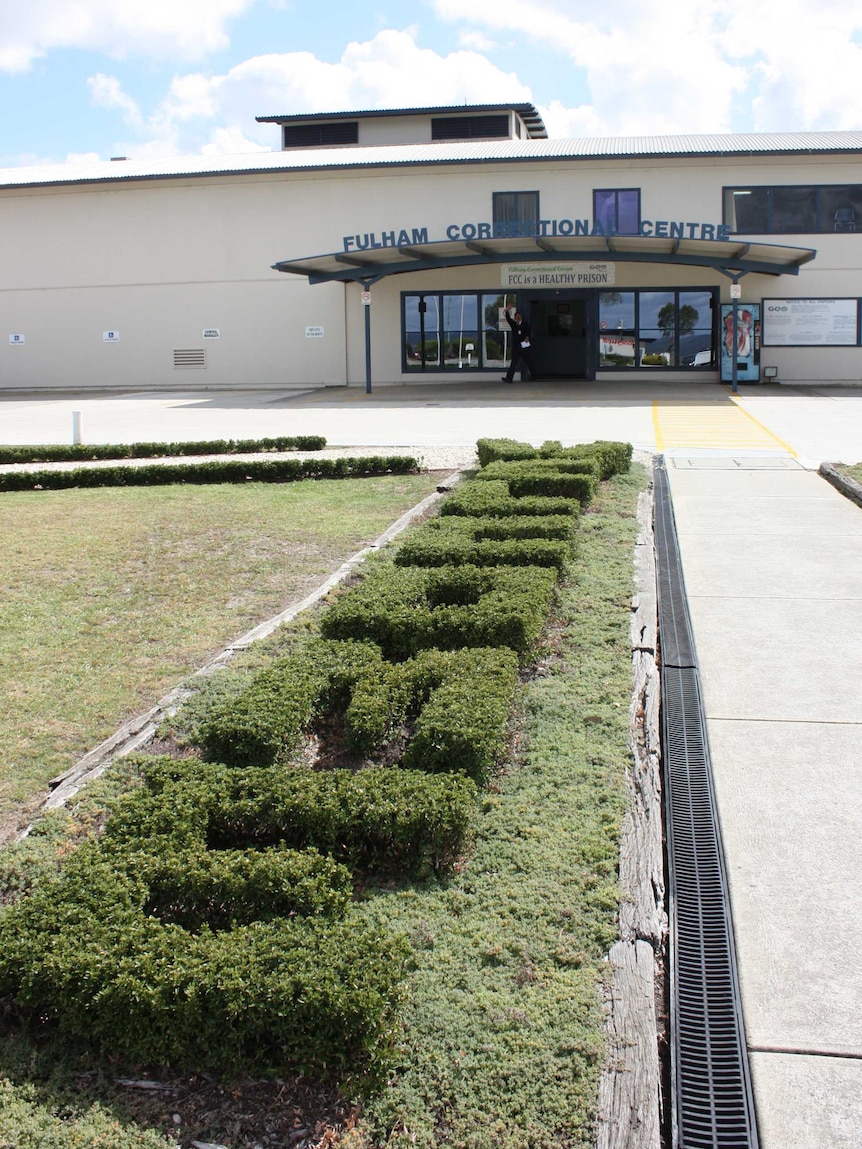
(470, 128)
(190, 357)
(320, 135)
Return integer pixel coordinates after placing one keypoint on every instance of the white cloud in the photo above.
(215, 113)
(703, 66)
(176, 29)
(105, 91)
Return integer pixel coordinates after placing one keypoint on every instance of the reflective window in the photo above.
(793, 210)
(496, 333)
(460, 330)
(796, 209)
(747, 210)
(650, 329)
(616, 329)
(839, 208)
(617, 210)
(421, 326)
(516, 213)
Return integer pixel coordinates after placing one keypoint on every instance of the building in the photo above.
(383, 246)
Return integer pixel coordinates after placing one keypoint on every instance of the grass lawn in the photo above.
(501, 1044)
(111, 596)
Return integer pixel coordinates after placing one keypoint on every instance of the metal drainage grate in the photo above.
(713, 1105)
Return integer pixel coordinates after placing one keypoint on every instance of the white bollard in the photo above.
(76, 428)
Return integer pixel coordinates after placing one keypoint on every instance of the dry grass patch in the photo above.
(111, 596)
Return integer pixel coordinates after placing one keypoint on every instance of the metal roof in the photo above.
(527, 112)
(461, 152)
(732, 257)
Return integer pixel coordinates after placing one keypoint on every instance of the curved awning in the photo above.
(730, 257)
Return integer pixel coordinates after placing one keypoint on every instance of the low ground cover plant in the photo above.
(454, 869)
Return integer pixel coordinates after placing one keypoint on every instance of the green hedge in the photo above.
(491, 499)
(63, 453)
(534, 478)
(161, 474)
(490, 449)
(408, 609)
(463, 724)
(263, 724)
(81, 955)
(439, 551)
(613, 457)
(221, 889)
(475, 528)
(376, 819)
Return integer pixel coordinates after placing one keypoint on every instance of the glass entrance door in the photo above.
(559, 329)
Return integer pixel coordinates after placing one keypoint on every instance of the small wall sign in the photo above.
(110, 337)
(17, 340)
(212, 333)
(314, 333)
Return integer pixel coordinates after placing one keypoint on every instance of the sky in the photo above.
(86, 80)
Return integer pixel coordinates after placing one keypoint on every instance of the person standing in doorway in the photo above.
(522, 352)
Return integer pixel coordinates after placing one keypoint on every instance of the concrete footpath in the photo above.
(772, 559)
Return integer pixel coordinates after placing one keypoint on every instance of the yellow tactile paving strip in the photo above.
(717, 424)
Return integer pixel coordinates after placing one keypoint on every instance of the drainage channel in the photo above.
(712, 1098)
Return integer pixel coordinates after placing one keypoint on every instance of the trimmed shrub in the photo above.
(59, 452)
(441, 551)
(490, 449)
(463, 723)
(491, 499)
(377, 819)
(262, 724)
(532, 478)
(162, 474)
(81, 955)
(615, 458)
(475, 528)
(220, 889)
(408, 609)
(563, 464)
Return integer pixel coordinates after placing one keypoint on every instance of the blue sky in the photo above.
(153, 78)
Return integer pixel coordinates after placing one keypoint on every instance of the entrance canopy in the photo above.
(376, 261)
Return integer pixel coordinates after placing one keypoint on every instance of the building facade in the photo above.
(384, 247)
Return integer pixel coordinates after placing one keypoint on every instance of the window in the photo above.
(455, 331)
(656, 328)
(617, 210)
(470, 127)
(516, 213)
(320, 135)
(793, 209)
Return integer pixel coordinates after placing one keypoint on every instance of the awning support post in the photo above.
(734, 374)
(366, 307)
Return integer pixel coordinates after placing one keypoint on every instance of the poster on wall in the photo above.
(747, 342)
(810, 322)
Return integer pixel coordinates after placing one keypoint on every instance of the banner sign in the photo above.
(810, 322)
(515, 275)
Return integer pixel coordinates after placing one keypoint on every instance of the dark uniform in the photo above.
(521, 355)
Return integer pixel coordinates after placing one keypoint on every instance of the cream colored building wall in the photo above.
(160, 260)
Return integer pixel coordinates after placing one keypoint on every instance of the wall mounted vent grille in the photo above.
(190, 357)
(320, 135)
(470, 128)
